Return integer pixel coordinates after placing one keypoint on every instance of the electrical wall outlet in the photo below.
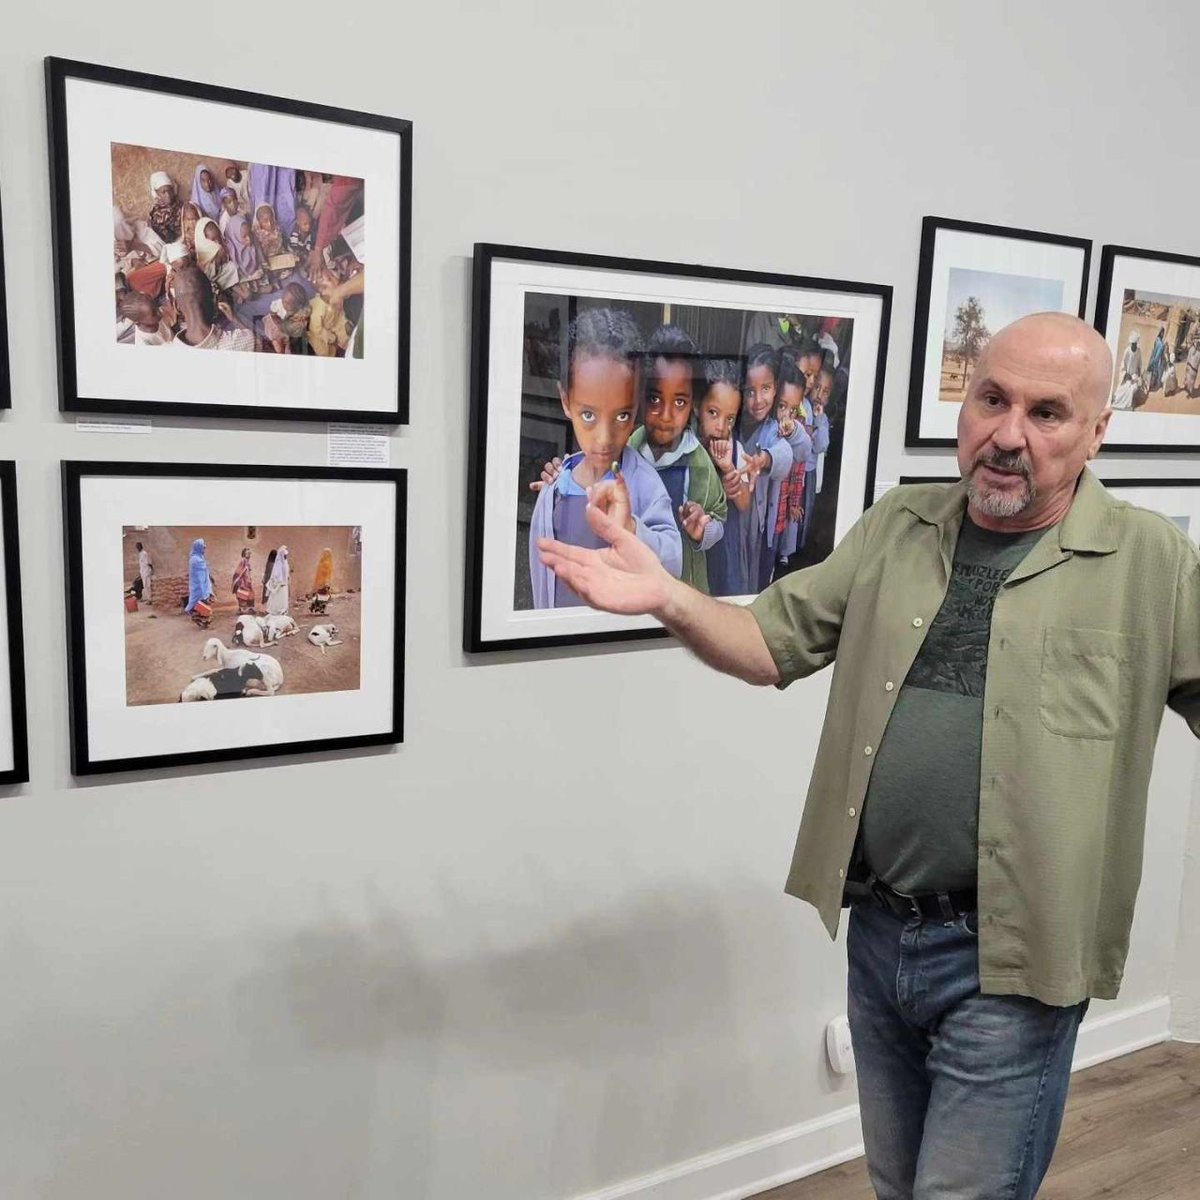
(838, 1048)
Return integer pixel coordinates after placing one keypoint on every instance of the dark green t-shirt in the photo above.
(920, 818)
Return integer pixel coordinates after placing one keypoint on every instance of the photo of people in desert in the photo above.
(725, 425)
(240, 612)
(213, 253)
(1158, 354)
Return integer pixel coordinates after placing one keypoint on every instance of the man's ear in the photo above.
(1101, 430)
(562, 399)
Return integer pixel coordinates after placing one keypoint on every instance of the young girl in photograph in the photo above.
(668, 443)
(267, 231)
(789, 410)
(599, 398)
(768, 459)
(246, 256)
(720, 403)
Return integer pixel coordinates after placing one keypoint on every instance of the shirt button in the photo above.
(841, 873)
(868, 751)
(889, 686)
(918, 622)
(852, 811)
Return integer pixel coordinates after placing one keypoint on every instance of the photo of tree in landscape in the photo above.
(978, 304)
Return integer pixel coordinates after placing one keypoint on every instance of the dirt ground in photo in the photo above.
(953, 383)
(162, 651)
(1158, 400)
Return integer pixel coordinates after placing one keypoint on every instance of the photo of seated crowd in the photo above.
(231, 612)
(724, 426)
(216, 254)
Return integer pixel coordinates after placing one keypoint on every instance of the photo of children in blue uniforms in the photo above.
(717, 440)
(599, 398)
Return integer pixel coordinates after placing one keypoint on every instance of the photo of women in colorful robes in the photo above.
(723, 425)
(215, 254)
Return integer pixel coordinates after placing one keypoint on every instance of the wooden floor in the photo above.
(1132, 1131)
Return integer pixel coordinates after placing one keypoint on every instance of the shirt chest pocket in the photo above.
(1084, 675)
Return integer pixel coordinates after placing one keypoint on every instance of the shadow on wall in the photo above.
(596, 1045)
(340, 1059)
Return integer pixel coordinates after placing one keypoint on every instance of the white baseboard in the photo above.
(1122, 1032)
(743, 1170)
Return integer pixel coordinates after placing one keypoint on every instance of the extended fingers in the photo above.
(552, 551)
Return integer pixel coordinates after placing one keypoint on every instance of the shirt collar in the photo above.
(1090, 524)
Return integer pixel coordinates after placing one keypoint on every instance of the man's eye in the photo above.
(587, 415)
(623, 418)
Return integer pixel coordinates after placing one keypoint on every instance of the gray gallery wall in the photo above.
(479, 965)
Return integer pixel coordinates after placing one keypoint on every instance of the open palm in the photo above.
(624, 577)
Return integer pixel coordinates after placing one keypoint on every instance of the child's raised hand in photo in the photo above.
(694, 520)
(611, 497)
(720, 450)
(753, 465)
(550, 472)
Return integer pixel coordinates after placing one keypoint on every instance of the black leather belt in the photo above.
(929, 906)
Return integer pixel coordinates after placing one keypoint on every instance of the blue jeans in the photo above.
(961, 1094)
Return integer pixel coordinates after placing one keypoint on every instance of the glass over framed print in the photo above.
(278, 588)
(738, 410)
(14, 742)
(192, 221)
(1148, 308)
(972, 281)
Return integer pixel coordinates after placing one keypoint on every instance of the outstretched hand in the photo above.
(625, 577)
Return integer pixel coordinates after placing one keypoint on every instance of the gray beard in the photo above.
(997, 503)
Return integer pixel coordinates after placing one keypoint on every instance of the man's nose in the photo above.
(1009, 434)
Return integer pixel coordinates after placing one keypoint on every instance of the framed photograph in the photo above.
(14, 741)
(279, 588)
(739, 408)
(1176, 499)
(190, 219)
(972, 281)
(1148, 308)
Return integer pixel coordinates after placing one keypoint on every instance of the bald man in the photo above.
(1003, 650)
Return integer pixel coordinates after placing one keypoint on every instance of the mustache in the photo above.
(1006, 460)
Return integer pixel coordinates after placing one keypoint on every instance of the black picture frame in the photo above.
(485, 255)
(58, 72)
(19, 773)
(930, 227)
(1108, 483)
(5, 369)
(1108, 256)
(73, 474)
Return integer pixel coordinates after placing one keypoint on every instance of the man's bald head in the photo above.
(1063, 345)
(1035, 412)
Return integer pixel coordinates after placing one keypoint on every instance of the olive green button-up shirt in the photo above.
(1092, 634)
